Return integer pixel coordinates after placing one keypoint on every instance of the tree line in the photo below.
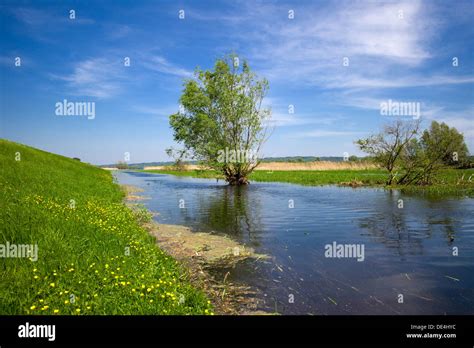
(412, 156)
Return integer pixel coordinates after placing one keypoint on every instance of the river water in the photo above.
(409, 263)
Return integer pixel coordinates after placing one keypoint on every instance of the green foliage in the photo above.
(178, 156)
(439, 146)
(222, 112)
(75, 214)
(417, 158)
(122, 165)
(353, 158)
(387, 147)
(445, 145)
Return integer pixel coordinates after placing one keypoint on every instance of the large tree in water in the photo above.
(222, 122)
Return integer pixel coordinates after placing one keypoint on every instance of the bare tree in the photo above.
(388, 146)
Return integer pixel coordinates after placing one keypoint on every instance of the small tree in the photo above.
(221, 122)
(438, 146)
(121, 165)
(445, 145)
(353, 158)
(178, 157)
(387, 146)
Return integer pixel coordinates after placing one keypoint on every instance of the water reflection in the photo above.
(232, 211)
(408, 250)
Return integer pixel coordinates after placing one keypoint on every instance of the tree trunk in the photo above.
(237, 179)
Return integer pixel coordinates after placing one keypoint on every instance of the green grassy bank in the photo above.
(448, 181)
(93, 257)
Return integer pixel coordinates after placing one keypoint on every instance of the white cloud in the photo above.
(462, 120)
(319, 133)
(385, 42)
(161, 65)
(356, 81)
(97, 77)
(162, 112)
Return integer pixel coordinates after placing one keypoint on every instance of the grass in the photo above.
(447, 182)
(93, 257)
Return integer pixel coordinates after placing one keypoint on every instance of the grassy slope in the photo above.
(83, 266)
(448, 181)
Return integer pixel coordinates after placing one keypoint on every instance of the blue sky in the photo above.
(397, 50)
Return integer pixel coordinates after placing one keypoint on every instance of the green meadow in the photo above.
(447, 182)
(93, 256)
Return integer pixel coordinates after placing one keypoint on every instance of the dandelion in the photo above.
(56, 311)
(52, 285)
(33, 307)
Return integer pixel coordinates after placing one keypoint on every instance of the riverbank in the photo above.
(456, 182)
(204, 255)
(92, 256)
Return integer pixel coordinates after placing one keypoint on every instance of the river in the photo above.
(417, 259)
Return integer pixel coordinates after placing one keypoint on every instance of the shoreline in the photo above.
(204, 255)
(450, 182)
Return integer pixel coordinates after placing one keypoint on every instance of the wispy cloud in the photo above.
(159, 111)
(162, 65)
(356, 81)
(46, 19)
(462, 119)
(385, 44)
(319, 133)
(105, 77)
(97, 77)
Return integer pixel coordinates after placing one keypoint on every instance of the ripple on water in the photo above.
(407, 249)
